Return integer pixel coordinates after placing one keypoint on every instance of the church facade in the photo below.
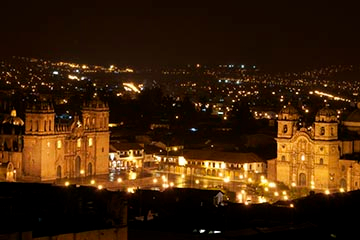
(322, 157)
(46, 149)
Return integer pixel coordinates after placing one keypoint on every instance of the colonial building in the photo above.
(232, 166)
(125, 156)
(47, 149)
(323, 156)
(11, 145)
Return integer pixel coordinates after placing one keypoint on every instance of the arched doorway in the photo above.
(10, 173)
(343, 183)
(90, 170)
(77, 166)
(58, 172)
(302, 180)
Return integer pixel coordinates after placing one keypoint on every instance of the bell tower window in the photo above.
(285, 129)
(322, 131)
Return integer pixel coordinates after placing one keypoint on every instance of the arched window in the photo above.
(77, 166)
(90, 169)
(302, 179)
(285, 129)
(283, 158)
(321, 161)
(322, 131)
(58, 172)
(343, 183)
(58, 144)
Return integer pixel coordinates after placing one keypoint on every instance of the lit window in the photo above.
(58, 144)
(302, 157)
(90, 142)
(79, 142)
(48, 144)
(182, 161)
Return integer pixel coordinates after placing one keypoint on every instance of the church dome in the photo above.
(326, 114)
(288, 112)
(95, 102)
(354, 116)
(352, 121)
(13, 119)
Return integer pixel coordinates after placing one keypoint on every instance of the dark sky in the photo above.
(266, 33)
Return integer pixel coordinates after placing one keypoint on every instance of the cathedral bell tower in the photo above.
(326, 124)
(326, 138)
(39, 141)
(287, 120)
(95, 115)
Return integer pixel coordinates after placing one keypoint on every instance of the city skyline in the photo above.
(147, 33)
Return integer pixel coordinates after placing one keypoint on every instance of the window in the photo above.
(58, 144)
(322, 131)
(90, 142)
(321, 161)
(283, 158)
(302, 157)
(285, 129)
(78, 143)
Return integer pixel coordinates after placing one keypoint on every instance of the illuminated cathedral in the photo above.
(321, 157)
(43, 148)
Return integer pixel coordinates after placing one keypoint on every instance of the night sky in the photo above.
(278, 34)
